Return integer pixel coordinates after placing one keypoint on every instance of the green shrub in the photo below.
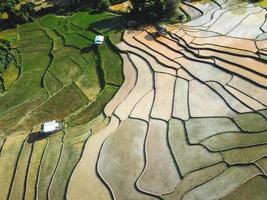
(104, 4)
(5, 55)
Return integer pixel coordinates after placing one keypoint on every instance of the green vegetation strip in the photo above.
(33, 171)
(49, 164)
(18, 186)
(8, 162)
(94, 108)
(109, 59)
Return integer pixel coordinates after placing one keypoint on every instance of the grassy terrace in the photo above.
(57, 73)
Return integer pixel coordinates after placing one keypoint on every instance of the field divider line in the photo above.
(50, 97)
(230, 94)
(2, 146)
(40, 169)
(204, 181)
(131, 51)
(233, 87)
(125, 82)
(56, 168)
(102, 179)
(27, 172)
(245, 181)
(74, 168)
(145, 163)
(140, 49)
(15, 169)
(52, 58)
(145, 156)
(188, 48)
(199, 80)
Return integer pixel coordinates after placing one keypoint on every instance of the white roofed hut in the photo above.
(99, 39)
(50, 127)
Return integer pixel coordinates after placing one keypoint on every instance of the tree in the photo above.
(26, 12)
(5, 59)
(153, 10)
(16, 14)
(171, 8)
(5, 55)
(103, 4)
(138, 6)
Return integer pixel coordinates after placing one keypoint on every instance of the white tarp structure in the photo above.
(50, 127)
(99, 39)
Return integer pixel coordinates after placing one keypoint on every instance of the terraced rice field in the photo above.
(59, 74)
(198, 94)
(189, 120)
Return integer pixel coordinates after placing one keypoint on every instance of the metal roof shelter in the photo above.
(50, 127)
(99, 39)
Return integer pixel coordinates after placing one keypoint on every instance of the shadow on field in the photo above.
(107, 25)
(36, 136)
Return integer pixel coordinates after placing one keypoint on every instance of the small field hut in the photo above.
(50, 127)
(99, 39)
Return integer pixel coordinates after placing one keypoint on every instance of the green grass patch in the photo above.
(262, 3)
(33, 35)
(41, 47)
(73, 28)
(88, 82)
(51, 21)
(33, 67)
(95, 107)
(66, 69)
(111, 63)
(38, 60)
(116, 37)
(9, 35)
(10, 75)
(27, 86)
(9, 121)
(85, 19)
(52, 84)
(17, 57)
(77, 40)
(58, 41)
(65, 102)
